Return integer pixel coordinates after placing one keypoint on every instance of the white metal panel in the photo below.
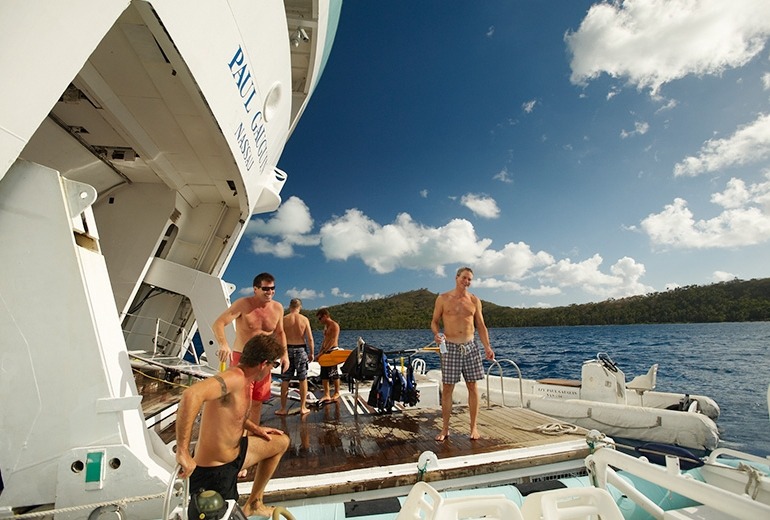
(51, 46)
(67, 353)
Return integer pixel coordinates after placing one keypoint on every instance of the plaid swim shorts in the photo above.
(297, 364)
(461, 358)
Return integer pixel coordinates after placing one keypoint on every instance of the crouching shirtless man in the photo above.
(223, 449)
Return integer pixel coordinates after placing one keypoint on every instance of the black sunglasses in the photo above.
(276, 363)
(265, 289)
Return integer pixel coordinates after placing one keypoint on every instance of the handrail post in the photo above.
(155, 339)
(502, 387)
(495, 363)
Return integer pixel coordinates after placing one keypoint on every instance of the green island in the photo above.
(733, 301)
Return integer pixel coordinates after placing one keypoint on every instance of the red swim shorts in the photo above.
(260, 390)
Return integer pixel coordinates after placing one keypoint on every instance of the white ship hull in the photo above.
(137, 138)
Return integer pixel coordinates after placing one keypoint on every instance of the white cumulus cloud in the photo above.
(653, 42)
(401, 244)
(304, 294)
(339, 293)
(291, 218)
(623, 280)
(406, 244)
(481, 205)
(723, 276)
(745, 220)
(291, 224)
(749, 144)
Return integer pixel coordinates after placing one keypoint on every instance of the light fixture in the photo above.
(299, 35)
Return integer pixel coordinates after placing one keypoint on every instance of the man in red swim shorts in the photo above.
(257, 314)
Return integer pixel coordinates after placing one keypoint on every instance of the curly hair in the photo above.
(261, 347)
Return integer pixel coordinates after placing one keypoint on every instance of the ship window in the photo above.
(165, 245)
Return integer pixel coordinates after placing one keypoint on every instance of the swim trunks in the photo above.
(461, 358)
(331, 373)
(297, 364)
(260, 390)
(222, 479)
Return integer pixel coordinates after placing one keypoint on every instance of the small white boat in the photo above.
(603, 400)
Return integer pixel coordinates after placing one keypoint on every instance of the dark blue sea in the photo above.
(728, 362)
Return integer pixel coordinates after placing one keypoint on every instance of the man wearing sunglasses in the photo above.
(253, 315)
(222, 449)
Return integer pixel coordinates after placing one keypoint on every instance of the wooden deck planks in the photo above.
(331, 439)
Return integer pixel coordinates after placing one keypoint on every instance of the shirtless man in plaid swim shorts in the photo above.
(460, 312)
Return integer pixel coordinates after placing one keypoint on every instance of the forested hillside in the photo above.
(737, 300)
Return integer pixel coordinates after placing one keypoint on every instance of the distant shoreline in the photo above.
(733, 301)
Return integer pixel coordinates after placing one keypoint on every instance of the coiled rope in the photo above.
(557, 429)
(754, 479)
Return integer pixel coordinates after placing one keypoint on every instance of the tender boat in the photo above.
(137, 139)
(604, 401)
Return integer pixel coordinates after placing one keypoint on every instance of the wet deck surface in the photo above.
(332, 439)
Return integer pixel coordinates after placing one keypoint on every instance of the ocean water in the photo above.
(728, 362)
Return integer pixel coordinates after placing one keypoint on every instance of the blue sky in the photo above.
(568, 151)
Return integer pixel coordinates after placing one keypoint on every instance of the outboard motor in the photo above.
(603, 381)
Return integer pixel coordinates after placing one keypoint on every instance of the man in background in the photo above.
(299, 335)
(330, 342)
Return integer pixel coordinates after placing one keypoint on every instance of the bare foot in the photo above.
(243, 473)
(303, 411)
(335, 398)
(258, 509)
(475, 434)
(281, 412)
(441, 437)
